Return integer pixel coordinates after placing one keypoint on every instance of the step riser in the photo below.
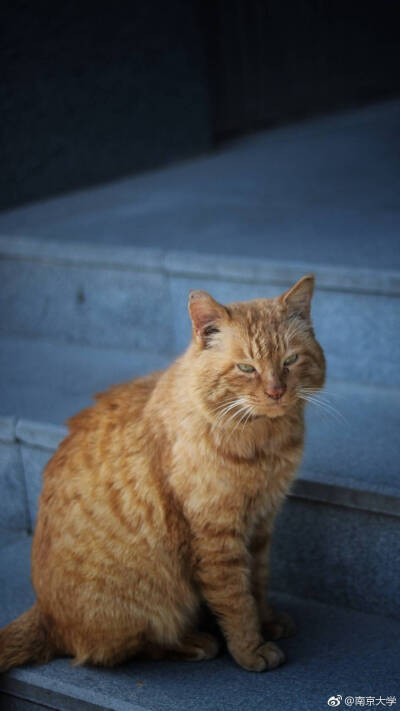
(339, 555)
(85, 305)
(146, 308)
(14, 511)
(330, 553)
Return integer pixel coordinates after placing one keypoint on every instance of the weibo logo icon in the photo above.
(334, 700)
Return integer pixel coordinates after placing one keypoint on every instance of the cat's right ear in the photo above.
(206, 314)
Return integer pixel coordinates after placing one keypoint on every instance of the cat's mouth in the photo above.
(277, 408)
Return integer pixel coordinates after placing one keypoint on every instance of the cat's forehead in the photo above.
(258, 316)
(260, 327)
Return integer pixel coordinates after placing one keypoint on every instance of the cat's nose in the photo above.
(275, 391)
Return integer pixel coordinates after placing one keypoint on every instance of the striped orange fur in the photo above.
(164, 495)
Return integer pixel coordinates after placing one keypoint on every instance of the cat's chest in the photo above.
(238, 492)
(236, 486)
(260, 479)
(261, 488)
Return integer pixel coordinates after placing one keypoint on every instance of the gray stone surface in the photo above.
(82, 254)
(359, 333)
(352, 438)
(142, 308)
(324, 191)
(13, 497)
(336, 554)
(7, 429)
(265, 271)
(306, 486)
(39, 434)
(90, 306)
(48, 382)
(15, 587)
(335, 651)
(184, 262)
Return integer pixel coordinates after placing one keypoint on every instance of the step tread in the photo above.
(322, 191)
(50, 382)
(353, 447)
(336, 651)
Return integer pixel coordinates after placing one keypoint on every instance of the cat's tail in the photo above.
(25, 640)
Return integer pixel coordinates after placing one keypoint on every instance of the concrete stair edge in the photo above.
(193, 264)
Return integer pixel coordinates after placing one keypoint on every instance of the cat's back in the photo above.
(106, 520)
(116, 406)
(99, 455)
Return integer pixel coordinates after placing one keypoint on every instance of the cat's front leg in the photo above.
(224, 574)
(274, 624)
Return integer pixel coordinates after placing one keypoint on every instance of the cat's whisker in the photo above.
(224, 403)
(249, 414)
(323, 399)
(334, 411)
(238, 403)
(243, 412)
(222, 406)
(227, 408)
(224, 412)
(324, 407)
(313, 393)
(312, 402)
(246, 414)
(327, 395)
(230, 401)
(236, 414)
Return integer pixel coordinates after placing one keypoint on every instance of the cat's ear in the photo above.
(206, 314)
(298, 298)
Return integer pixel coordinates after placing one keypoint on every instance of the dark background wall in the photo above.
(276, 60)
(94, 91)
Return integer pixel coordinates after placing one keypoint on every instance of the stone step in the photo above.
(319, 191)
(341, 522)
(137, 298)
(336, 651)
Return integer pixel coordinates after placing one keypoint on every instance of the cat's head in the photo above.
(255, 358)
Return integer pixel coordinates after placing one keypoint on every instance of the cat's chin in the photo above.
(275, 414)
(277, 410)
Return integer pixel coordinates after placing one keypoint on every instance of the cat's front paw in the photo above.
(278, 625)
(265, 657)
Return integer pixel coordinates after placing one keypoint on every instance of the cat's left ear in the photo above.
(206, 314)
(298, 298)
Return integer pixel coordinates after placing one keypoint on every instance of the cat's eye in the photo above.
(246, 367)
(292, 359)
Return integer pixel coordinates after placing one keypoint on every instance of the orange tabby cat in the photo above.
(164, 495)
